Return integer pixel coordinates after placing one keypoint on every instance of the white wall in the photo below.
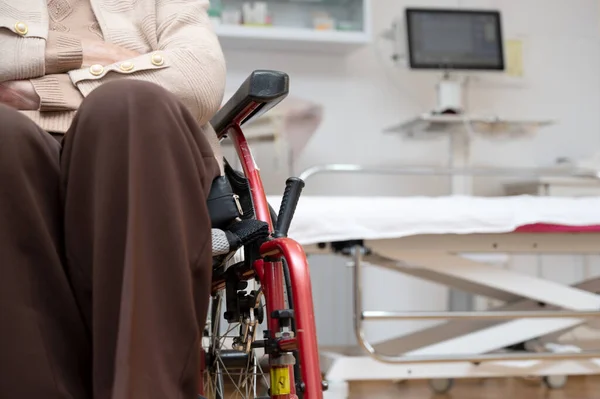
(562, 66)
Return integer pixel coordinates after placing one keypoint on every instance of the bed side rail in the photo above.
(554, 172)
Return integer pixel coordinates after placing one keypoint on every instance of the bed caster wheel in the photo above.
(555, 381)
(441, 385)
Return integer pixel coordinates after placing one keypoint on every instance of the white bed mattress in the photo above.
(327, 219)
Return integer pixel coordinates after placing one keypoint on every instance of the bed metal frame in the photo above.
(444, 171)
(361, 315)
(423, 256)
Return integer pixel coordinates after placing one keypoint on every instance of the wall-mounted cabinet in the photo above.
(330, 26)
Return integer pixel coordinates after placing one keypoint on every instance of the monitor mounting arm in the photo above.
(449, 92)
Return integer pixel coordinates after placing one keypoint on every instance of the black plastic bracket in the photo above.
(346, 247)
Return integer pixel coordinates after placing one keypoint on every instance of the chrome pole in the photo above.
(357, 254)
(485, 315)
(440, 171)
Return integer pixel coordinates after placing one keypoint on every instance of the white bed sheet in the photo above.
(327, 219)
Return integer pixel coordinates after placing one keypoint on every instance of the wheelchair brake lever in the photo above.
(289, 201)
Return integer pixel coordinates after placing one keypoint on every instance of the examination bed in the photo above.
(431, 238)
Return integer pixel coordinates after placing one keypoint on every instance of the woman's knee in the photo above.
(129, 108)
(126, 96)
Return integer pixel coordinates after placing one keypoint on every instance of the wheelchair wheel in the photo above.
(236, 363)
(235, 367)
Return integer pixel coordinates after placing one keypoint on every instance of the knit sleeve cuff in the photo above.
(57, 93)
(63, 53)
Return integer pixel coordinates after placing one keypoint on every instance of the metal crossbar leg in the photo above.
(360, 316)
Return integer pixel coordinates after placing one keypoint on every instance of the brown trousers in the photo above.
(105, 250)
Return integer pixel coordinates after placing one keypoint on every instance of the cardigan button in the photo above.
(21, 28)
(126, 66)
(96, 69)
(158, 59)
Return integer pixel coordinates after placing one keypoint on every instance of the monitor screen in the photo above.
(454, 39)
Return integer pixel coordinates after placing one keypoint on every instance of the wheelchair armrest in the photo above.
(260, 92)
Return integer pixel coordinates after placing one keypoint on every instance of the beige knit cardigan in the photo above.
(180, 51)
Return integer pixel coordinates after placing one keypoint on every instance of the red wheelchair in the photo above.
(270, 287)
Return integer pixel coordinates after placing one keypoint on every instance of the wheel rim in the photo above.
(234, 369)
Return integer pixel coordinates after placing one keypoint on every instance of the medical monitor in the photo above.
(456, 39)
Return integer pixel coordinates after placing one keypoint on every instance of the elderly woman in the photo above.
(106, 161)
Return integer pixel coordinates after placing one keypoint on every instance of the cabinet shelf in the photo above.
(289, 39)
(293, 26)
(314, 2)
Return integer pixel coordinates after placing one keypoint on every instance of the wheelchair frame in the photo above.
(261, 91)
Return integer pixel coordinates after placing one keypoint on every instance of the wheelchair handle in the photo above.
(291, 196)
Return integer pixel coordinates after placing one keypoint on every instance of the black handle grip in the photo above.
(291, 196)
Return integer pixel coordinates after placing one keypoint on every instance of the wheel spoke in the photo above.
(246, 379)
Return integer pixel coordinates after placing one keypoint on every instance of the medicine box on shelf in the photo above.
(331, 26)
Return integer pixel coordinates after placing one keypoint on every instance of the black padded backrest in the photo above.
(263, 88)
